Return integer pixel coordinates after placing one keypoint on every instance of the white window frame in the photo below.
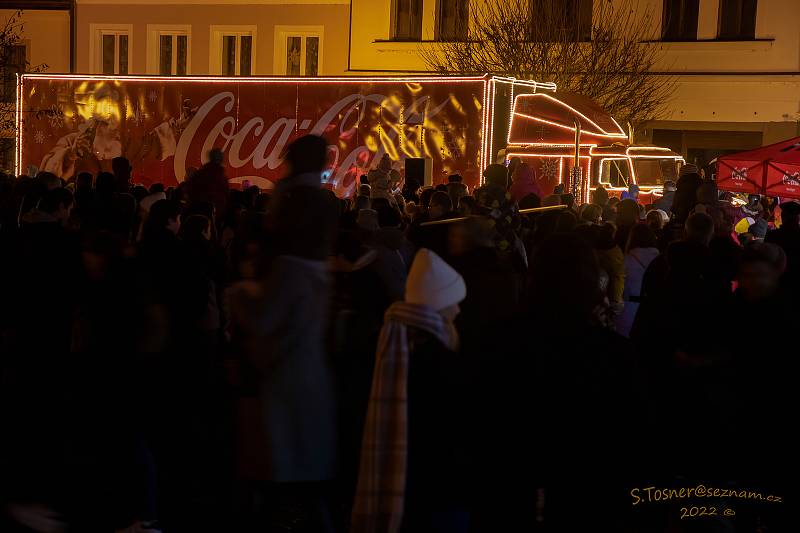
(96, 32)
(284, 32)
(215, 50)
(154, 33)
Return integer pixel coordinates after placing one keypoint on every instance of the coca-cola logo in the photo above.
(792, 179)
(345, 116)
(739, 174)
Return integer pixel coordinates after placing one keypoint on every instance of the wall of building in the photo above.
(46, 33)
(738, 87)
(332, 15)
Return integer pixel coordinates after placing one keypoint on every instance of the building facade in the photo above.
(224, 37)
(44, 41)
(736, 63)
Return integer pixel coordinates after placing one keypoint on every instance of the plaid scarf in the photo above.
(380, 493)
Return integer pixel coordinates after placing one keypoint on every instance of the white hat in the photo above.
(148, 201)
(433, 282)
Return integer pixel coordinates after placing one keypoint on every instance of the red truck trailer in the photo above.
(165, 126)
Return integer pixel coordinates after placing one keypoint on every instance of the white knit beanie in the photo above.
(433, 282)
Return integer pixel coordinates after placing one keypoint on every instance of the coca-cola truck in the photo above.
(165, 126)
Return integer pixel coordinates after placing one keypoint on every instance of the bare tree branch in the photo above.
(608, 60)
(11, 35)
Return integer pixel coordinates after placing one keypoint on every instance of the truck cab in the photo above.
(547, 129)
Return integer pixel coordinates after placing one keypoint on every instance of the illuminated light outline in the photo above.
(255, 79)
(632, 168)
(655, 156)
(487, 147)
(18, 124)
(548, 85)
(489, 122)
(604, 132)
(555, 145)
(592, 122)
(622, 157)
(483, 131)
(570, 128)
(656, 148)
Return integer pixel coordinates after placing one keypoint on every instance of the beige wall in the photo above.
(760, 85)
(47, 35)
(201, 15)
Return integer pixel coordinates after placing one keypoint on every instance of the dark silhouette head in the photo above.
(105, 185)
(530, 201)
(307, 154)
(627, 212)
(425, 197)
(592, 213)
(641, 236)
(440, 204)
(83, 181)
(164, 215)
(699, 228)
(497, 175)
(790, 214)
(467, 205)
(56, 202)
(600, 196)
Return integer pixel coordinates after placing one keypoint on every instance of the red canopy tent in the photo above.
(773, 170)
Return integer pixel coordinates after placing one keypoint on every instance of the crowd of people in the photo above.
(203, 358)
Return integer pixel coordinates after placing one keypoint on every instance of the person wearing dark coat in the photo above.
(667, 198)
(556, 379)
(209, 184)
(788, 238)
(686, 192)
(287, 412)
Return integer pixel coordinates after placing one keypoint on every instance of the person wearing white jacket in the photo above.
(639, 253)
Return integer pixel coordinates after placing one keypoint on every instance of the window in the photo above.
(169, 49)
(614, 172)
(115, 53)
(233, 50)
(452, 19)
(679, 22)
(568, 19)
(654, 172)
(110, 48)
(172, 52)
(14, 61)
(737, 19)
(298, 50)
(407, 22)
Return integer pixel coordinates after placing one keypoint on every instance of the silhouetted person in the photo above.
(122, 169)
(788, 238)
(209, 183)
